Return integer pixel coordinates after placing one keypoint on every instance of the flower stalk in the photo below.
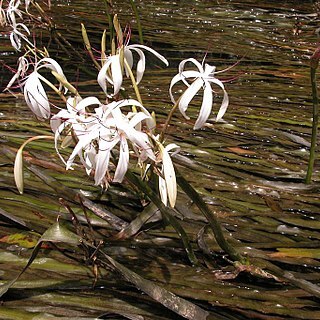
(314, 63)
(213, 221)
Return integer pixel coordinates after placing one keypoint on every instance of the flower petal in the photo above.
(158, 55)
(141, 65)
(188, 95)
(88, 101)
(35, 96)
(116, 72)
(169, 175)
(129, 58)
(103, 158)
(103, 75)
(206, 106)
(225, 101)
(123, 161)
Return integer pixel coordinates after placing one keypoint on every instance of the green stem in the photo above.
(136, 13)
(133, 80)
(166, 124)
(213, 221)
(56, 90)
(108, 5)
(315, 101)
(167, 214)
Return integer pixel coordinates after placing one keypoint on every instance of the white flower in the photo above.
(202, 78)
(34, 93)
(112, 70)
(109, 126)
(75, 118)
(167, 183)
(16, 35)
(19, 30)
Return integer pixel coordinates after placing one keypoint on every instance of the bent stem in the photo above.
(18, 162)
(213, 221)
(315, 101)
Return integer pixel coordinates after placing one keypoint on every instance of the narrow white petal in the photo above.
(182, 77)
(89, 156)
(102, 75)
(102, 165)
(123, 162)
(141, 65)
(163, 190)
(224, 105)
(50, 64)
(129, 58)
(170, 176)
(116, 75)
(138, 118)
(225, 101)
(84, 140)
(188, 95)
(103, 158)
(206, 106)
(140, 139)
(35, 97)
(174, 80)
(192, 60)
(158, 55)
(87, 102)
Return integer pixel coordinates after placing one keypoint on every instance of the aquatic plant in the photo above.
(13, 16)
(201, 79)
(98, 130)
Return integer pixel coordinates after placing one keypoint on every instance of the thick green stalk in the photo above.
(166, 212)
(133, 80)
(136, 13)
(213, 221)
(315, 101)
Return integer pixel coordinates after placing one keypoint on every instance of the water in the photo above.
(250, 168)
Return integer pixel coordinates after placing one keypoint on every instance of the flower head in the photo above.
(34, 93)
(167, 182)
(202, 78)
(100, 132)
(122, 62)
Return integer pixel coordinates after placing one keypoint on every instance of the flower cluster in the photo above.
(10, 17)
(105, 135)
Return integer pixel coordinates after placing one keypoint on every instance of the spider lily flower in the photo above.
(167, 183)
(112, 70)
(12, 11)
(109, 126)
(17, 35)
(34, 93)
(203, 77)
(74, 117)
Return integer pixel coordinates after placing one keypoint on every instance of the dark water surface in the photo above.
(250, 168)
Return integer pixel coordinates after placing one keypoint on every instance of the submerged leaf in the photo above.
(178, 305)
(56, 233)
